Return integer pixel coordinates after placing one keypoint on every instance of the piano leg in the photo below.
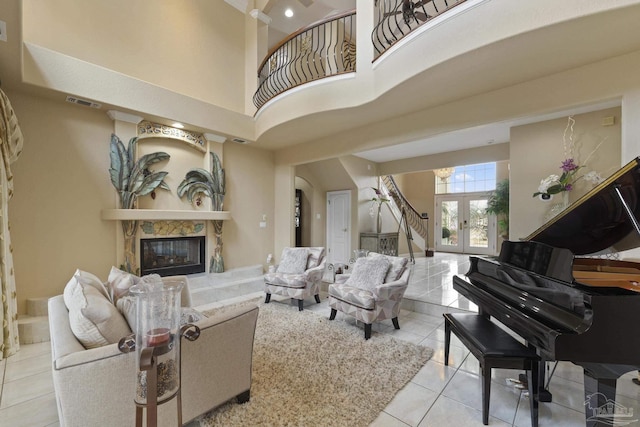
(599, 403)
(532, 383)
(544, 395)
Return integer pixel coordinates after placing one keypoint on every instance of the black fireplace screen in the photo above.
(172, 255)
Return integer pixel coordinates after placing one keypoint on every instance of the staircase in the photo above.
(34, 326)
(417, 223)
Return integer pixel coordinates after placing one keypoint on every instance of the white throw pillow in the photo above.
(119, 283)
(368, 272)
(82, 278)
(398, 265)
(94, 320)
(294, 261)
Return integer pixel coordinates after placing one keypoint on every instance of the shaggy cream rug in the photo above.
(310, 371)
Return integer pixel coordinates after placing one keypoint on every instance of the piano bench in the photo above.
(494, 348)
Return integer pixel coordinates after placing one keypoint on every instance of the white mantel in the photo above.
(166, 215)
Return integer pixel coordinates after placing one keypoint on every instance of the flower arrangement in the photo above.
(380, 198)
(554, 184)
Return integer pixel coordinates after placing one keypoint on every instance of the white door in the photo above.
(338, 226)
(463, 226)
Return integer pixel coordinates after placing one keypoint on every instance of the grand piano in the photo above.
(569, 306)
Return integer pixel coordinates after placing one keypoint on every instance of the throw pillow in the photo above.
(82, 278)
(94, 320)
(398, 265)
(294, 261)
(119, 283)
(127, 306)
(368, 273)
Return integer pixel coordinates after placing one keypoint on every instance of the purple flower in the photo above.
(568, 187)
(568, 165)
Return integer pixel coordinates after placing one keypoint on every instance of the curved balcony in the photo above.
(397, 18)
(323, 49)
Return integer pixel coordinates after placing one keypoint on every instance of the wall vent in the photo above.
(240, 141)
(83, 102)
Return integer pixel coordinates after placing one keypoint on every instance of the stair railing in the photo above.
(413, 217)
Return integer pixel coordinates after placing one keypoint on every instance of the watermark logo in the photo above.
(609, 413)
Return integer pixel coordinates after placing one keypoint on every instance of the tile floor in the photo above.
(437, 396)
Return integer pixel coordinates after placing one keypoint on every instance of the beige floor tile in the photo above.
(30, 350)
(40, 411)
(27, 367)
(386, 420)
(434, 376)
(27, 388)
(411, 404)
(448, 412)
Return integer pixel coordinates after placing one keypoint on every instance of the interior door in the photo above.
(338, 226)
(463, 226)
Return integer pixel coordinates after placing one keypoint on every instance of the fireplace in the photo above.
(172, 255)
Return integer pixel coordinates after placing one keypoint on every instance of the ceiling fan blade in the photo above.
(392, 13)
(421, 3)
(421, 16)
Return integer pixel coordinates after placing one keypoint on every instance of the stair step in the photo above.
(37, 306)
(33, 329)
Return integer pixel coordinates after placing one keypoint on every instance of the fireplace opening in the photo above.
(172, 255)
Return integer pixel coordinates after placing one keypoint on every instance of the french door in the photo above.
(462, 225)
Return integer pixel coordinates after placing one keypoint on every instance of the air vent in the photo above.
(83, 102)
(240, 141)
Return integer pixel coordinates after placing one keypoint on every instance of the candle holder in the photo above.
(157, 343)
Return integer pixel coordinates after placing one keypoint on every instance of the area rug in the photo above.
(310, 371)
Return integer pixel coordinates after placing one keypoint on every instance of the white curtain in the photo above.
(10, 148)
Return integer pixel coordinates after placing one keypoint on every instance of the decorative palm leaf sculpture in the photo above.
(200, 183)
(133, 179)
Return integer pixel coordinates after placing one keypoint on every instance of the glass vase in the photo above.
(379, 219)
(157, 339)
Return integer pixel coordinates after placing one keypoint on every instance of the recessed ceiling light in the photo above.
(288, 13)
(178, 125)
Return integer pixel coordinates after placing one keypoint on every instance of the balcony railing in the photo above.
(397, 18)
(323, 49)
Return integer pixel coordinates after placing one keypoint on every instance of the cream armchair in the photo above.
(372, 292)
(298, 275)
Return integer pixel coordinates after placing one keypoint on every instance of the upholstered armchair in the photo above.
(372, 292)
(297, 276)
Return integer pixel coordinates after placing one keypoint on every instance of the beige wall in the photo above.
(537, 151)
(250, 195)
(61, 185)
(419, 190)
(200, 41)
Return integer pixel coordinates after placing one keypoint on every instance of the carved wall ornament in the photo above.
(172, 228)
(148, 129)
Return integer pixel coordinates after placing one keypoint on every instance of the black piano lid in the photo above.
(598, 220)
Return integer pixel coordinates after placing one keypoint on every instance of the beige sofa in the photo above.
(96, 387)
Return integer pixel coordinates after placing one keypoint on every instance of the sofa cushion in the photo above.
(94, 320)
(287, 280)
(362, 298)
(369, 272)
(82, 278)
(294, 261)
(398, 264)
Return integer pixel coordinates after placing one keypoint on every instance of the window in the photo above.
(468, 179)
